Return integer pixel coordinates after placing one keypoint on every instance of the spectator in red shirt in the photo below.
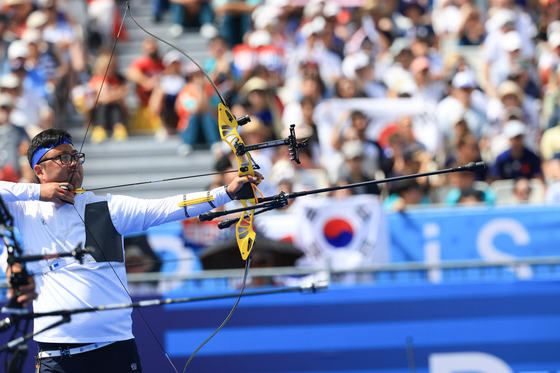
(144, 72)
(193, 106)
(110, 114)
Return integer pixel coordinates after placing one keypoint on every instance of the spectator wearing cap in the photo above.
(517, 161)
(353, 168)
(256, 132)
(32, 82)
(397, 76)
(360, 68)
(510, 95)
(13, 142)
(27, 103)
(494, 50)
(168, 86)
(471, 29)
(517, 67)
(49, 61)
(60, 30)
(427, 88)
(262, 103)
(549, 59)
(311, 50)
(464, 98)
(335, 30)
(501, 68)
(522, 20)
(414, 11)
(44, 61)
(446, 18)
(548, 66)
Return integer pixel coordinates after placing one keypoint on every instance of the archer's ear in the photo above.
(39, 172)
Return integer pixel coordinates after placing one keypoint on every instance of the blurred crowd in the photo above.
(380, 88)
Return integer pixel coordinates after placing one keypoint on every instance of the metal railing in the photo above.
(395, 273)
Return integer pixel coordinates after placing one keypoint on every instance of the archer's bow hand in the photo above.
(235, 186)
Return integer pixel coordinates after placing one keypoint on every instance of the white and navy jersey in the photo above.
(64, 283)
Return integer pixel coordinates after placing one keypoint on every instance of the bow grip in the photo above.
(246, 192)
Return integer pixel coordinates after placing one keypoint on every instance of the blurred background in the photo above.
(442, 274)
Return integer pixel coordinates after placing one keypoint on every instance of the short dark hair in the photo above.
(471, 192)
(45, 139)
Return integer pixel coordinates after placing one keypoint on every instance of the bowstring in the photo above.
(224, 103)
(127, 292)
(83, 220)
(247, 265)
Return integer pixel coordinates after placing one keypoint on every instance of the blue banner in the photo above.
(484, 233)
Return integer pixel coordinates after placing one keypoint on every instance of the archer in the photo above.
(53, 218)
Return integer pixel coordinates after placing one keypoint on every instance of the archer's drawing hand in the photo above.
(55, 192)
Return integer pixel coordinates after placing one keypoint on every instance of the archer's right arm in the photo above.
(47, 192)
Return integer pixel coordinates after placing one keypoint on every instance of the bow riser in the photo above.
(244, 231)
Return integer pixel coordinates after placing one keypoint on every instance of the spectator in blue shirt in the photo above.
(517, 161)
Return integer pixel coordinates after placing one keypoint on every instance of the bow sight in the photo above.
(291, 141)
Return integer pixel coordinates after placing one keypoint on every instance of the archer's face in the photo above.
(54, 171)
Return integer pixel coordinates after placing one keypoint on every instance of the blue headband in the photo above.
(40, 152)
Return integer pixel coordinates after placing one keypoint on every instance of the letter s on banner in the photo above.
(511, 227)
(455, 362)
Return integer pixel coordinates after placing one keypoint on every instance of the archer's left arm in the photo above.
(132, 215)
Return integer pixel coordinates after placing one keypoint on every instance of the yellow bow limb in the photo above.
(244, 231)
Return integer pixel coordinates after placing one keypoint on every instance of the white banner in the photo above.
(380, 112)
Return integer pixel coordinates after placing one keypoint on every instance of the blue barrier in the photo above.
(502, 327)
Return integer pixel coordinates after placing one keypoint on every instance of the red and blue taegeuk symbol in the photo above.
(338, 232)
